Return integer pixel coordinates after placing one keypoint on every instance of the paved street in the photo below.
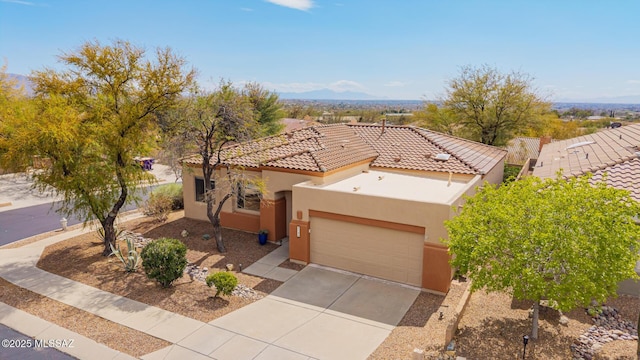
(14, 349)
(25, 212)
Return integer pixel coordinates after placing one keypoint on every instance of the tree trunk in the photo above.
(536, 313)
(109, 234)
(214, 219)
(109, 221)
(217, 234)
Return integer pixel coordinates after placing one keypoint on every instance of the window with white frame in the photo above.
(248, 197)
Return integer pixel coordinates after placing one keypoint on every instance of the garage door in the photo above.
(380, 252)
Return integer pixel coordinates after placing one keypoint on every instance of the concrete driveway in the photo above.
(317, 314)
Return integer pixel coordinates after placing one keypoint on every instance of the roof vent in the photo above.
(637, 153)
(442, 157)
(427, 156)
(582, 143)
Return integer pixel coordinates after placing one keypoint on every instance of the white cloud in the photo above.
(633, 82)
(395, 84)
(346, 85)
(303, 5)
(338, 86)
(19, 2)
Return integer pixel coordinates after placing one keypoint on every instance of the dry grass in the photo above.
(115, 336)
(80, 259)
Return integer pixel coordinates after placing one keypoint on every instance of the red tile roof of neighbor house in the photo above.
(615, 152)
(329, 147)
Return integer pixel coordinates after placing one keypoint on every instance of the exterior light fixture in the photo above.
(525, 341)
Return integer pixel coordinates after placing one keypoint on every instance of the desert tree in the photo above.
(267, 108)
(215, 121)
(91, 119)
(493, 107)
(569, 241)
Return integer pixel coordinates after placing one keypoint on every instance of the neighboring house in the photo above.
(521, 149)
(295, 124)
(364, 198)
(614, 152)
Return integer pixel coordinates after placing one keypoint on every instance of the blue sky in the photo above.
(580, 50)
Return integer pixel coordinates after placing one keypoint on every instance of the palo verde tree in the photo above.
(569, 241)
(92, 119)
(493, 107)
(215, 120)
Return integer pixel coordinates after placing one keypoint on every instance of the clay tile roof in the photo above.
(319, 148)
(328, 147)
(522, 148)
(612, 151)
(403, 147)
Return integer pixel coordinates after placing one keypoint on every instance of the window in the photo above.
(248, 197)
(200, 189)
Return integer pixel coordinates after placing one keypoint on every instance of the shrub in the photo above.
(158, 206)
(131, 260)
(224, 282)
(164, 260)
(172, 191)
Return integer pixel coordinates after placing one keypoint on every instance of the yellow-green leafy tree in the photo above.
(569, 241)
(91, 119)
(493, 107)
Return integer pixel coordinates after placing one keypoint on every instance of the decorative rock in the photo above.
(206, 237)
(184, 233)
(608, 326)
(564, 320)
(201, 274)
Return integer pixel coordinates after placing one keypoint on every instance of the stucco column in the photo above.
(436, 270)
(299, 241)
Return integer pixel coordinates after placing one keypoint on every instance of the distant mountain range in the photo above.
(629, 99)
(328, 94)
(22, 81)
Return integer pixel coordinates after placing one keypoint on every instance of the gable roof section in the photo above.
(612, 151)
(318, 149)
(522, 148)
(329, 147)
(402, 147)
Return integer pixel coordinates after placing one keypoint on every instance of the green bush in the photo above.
(172, 191)
(158, 206)
(224, 282)
(164, 260)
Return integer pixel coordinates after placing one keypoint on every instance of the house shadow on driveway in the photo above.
(347, 293)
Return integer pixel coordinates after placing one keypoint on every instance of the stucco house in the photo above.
(614, 152)
(370, 199)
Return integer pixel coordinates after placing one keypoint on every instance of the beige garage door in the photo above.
(380, 252)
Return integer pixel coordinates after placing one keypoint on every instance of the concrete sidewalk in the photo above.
(316, 314)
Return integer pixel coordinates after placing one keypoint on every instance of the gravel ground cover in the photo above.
(80, 259)
(493, 325)
(115, 336)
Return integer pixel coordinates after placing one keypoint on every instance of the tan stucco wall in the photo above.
(494, 176)
(198, 210)
(427, 215)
